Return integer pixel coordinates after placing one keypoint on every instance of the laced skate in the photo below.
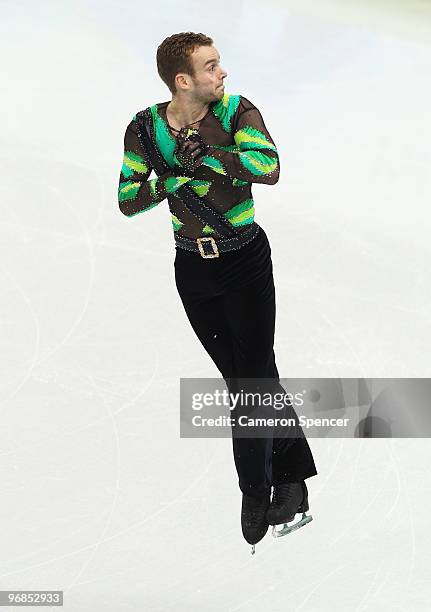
(253, 518)
(288, 499)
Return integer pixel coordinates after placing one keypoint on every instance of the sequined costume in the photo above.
(241, 152)
(229, 300)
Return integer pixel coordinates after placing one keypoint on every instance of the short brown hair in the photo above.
(173, 55)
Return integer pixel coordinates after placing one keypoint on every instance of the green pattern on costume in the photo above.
(128, 190)
(152, 184)
(174, 182)
(252, 156)
(166, 143)
(132, 162)
(225, 109)
(176, 223)
(228, 148)
(242, 213)
(214, 164)
(250, 138)
(244, 218)
(252, 161)
(201, 188)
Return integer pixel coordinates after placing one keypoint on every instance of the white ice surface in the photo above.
(99, 496)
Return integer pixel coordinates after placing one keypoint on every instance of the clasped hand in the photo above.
(190, 150)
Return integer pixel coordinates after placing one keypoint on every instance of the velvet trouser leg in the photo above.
(230, 303)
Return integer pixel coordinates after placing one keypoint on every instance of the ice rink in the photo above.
(100, 496)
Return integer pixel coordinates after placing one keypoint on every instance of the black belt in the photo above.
(208, 247)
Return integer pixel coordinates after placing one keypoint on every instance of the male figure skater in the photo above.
(225, 284)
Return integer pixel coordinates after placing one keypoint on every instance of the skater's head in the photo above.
(189, 64)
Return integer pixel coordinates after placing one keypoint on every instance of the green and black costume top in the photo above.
(241, 152)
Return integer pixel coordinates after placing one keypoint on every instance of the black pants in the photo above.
(230, 303)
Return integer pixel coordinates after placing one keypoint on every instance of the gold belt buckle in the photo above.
(213, 245)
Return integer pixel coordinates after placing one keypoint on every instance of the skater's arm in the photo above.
(255, 157)
(135, 192)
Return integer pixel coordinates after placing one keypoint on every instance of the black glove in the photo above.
(190, 150)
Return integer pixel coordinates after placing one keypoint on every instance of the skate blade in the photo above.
(288, 527)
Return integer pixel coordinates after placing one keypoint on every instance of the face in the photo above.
(207, 83)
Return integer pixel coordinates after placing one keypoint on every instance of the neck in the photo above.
(185, 112)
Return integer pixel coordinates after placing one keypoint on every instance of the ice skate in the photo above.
(288, 499)
(253, 518)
